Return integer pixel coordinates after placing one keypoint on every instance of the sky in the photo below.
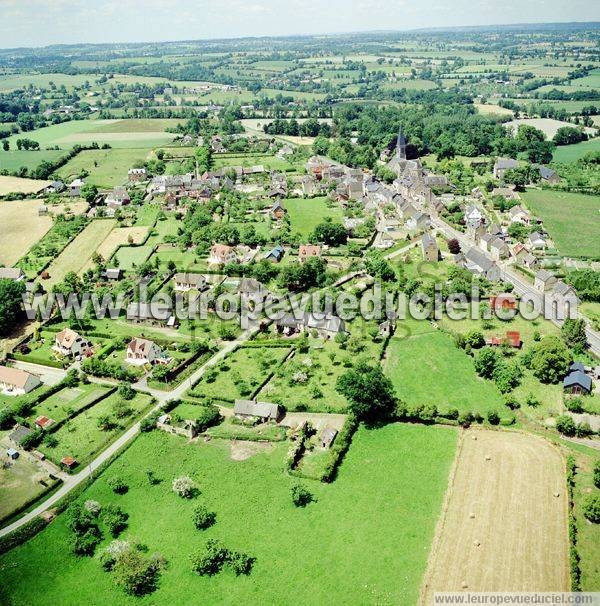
(43, 22)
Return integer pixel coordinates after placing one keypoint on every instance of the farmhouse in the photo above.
(523, 256)
(502, 165)
(112, 274)
(69, 462)
(577, 382)
(306, 251)
(536, 241)
(473, 216)
(221, 254)
(564, 298)
(55, 187)
(430, 249)
(75, 187)
(309, 186)
(277, 211)
(419, 221)
(151, 314)
(275, 254)
(142, 351)
(250, 287)
(12, 273)
(499, 249)
(16, 382)
(185, 282)
(518, 214)
(547, 175)
(480, 264)
(136, 174)
(117, 197)
(69, 343)
(544, 280)
(257, 411)
(325, 326)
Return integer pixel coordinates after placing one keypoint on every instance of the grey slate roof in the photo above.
(256, 409)
(578, 378)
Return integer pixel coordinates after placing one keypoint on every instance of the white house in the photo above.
(75, 187)
(69, 343)
(537, 241)
(143, 351)
(16, 382)
(473, 216)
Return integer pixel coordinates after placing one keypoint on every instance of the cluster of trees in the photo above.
(11, 300)
(309, 128)
(586, 282)
(567, 135)
(211, 560)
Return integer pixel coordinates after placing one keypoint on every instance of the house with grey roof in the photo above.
(544, 281)
(480, 264)
(12, 273)
(502, 165)
(429, 247)
(256, 411)
(326, 326)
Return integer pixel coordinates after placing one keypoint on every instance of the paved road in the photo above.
(521, 285)
(72, 481)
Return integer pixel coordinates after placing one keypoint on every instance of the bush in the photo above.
(203, 518)
(597, 474)
(126, 392)
(117, 485)
(566, 425)
(591, 508)
(115, 519)
(511, 402)
(574, 405)
(149, 423)
(136, 573)
(185, 487)
(84, 525)
(301, 496)
(532, 401)
(210, 561)
(93, 507)
(493, 417)
(241, 563)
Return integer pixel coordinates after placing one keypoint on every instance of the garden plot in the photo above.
(118, 237)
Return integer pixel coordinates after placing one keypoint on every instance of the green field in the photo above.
(364, 541)
(429, 369)
(571, 153)
(15, 159)
(572, 220)
(106, 167)
(68, 402)
(127, 133)
(306, 213)
(129, 257)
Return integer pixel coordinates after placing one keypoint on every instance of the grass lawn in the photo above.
(81, 437)
(130, 257)
(430, 369)
(571, 153)
(269, 162)
(572, 220)
(240, 373)
(351, 555)
(106, 167)
(306, 213)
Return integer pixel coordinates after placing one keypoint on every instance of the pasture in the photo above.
(548, 126)
(22, 186)
(572, 153)
(77, 255)
(22, 227)
(306, 213)
(15, 159)
(572, 220)
(385, 471)
(428, 368)
(127, 133)
(504, 528)
(106, 167)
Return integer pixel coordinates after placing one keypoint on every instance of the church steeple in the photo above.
(401, 145)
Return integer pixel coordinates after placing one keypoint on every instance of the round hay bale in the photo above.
(477, 543)
(471, 515)
(557, 494)
(488, 457)
(464, 585)
(473, 437)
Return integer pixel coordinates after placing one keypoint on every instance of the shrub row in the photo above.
(573, 553)
(340, 448)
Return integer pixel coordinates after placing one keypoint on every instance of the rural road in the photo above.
(72, 481)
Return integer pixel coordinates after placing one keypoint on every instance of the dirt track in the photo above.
(503, 528)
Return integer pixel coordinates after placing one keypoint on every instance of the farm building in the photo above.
(18, 434)
(502, 165)
(577, 382)
(16, 382)
(327, 437)
(512, 339)
(75, 187)
(325, 326)
(12, 454)
(185, 281)
(544, 280)
(477, 262)
(68, 462)
(186, 428)
(275, 254)
(261, 411)
(151, 314)
(43, 422)
(136, 174)
(306, 251)
(431, 251)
